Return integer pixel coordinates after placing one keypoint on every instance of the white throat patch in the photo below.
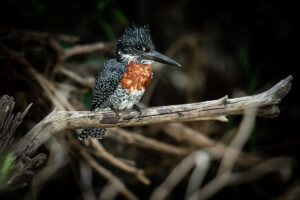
(126, 58)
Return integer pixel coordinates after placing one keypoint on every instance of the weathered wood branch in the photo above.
(265, 103)
(8, 121)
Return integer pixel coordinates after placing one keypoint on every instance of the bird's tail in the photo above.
(93, 133)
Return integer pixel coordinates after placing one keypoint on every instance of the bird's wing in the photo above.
(108, 78)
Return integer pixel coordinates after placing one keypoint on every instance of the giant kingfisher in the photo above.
(121, 82)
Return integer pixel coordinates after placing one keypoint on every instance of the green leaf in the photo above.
(6, 166)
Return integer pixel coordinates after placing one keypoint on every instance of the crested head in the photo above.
(134, 42)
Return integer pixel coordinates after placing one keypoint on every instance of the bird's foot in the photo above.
(137, 108)
(118, 114)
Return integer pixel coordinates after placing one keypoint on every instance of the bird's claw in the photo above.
(137, 108)
(118, 114)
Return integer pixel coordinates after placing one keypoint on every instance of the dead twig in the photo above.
(75, 77)
(183, 133)
(104, 172)
(283, 165)
(292, 192)
(178, 173)
(8, 122)
(145, 142)
(228, 160)
(237, 143)
(88, 48)
(56, 98)
(101, 152)
(266, 104)
(216, 149)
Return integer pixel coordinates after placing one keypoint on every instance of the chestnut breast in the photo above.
(137, 77)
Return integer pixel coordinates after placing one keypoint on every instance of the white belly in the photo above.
(133, 98)
(123, 98)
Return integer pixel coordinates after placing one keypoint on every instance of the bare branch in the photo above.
(75, 77)
(216, 149)
(237, 143)
(139, 173)
(179, 172)
(292, 192)
(229, 159)
(283, 165)
(88, 48)
(146, 142)
(104, 172)
(8, 122)
(58, 121)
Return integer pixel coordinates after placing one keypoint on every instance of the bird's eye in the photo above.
(139, 47)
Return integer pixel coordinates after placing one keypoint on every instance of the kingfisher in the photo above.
(122, 81)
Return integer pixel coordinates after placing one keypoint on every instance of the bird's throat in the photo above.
(137, 76)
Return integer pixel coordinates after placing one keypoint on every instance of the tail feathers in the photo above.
(93, 133)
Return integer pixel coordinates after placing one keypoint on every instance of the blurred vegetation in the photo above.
(69, 16)
(252, 74)
(6, 160)
(232, 47)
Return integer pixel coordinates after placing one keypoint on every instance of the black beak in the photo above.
(156, 56)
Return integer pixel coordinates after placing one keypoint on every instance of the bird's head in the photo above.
(135, 44)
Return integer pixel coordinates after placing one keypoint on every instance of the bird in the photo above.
(122, 81)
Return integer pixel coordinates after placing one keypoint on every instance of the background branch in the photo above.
(88, 48)
(8, 122)
(182, 160)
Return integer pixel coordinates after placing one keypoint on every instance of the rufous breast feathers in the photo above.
(137, 77)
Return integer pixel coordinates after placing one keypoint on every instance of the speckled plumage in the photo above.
(135, 45)
(133, 41)
(107, 81)
(108, 93)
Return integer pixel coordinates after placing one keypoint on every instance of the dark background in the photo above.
(247, 47)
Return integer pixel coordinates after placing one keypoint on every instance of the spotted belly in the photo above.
(123, 98)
